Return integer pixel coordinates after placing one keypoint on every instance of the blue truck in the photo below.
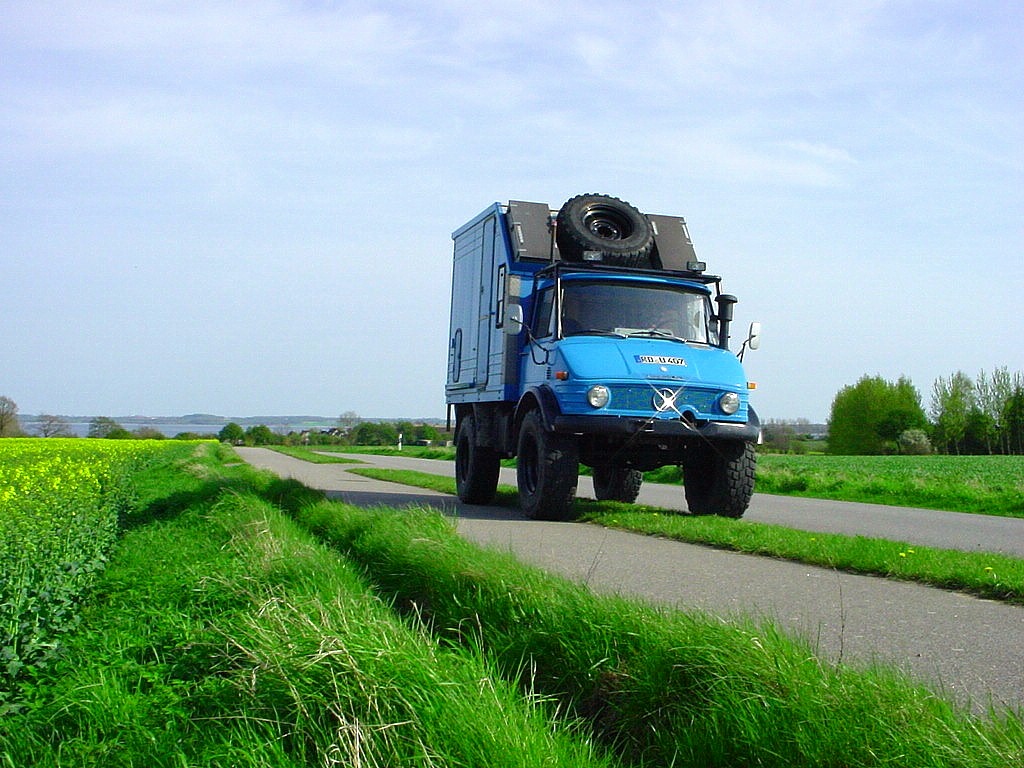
(593, 335)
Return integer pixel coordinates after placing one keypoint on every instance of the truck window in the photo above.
(541, 326)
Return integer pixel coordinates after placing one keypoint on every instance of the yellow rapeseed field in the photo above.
(60, 501)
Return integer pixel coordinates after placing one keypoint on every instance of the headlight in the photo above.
(729, 403)
(598, 396)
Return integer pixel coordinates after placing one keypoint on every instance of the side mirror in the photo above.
(754, 336)
(513, 324)
(753, 340)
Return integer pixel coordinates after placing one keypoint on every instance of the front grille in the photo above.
(640, 398)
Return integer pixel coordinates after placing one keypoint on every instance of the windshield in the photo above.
(633, 309)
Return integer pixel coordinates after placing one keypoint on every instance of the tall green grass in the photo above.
(223, 635)
(662, 688)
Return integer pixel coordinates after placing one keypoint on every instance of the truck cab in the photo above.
(594, 336)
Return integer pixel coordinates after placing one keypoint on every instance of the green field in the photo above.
(992, 485)
(241, 620)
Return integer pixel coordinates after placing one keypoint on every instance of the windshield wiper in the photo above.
(597, 332)
(658, 333)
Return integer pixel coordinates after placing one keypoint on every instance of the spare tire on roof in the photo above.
(604, 225)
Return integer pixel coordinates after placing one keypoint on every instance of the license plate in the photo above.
(660, 360)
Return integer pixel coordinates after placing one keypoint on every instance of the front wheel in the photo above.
(476, 467)
(547, 471)
(719, 478)
(617, 484)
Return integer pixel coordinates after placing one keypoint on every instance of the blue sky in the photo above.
(246, 208)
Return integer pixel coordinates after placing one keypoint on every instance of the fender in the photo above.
(754, 420)
(543, 398)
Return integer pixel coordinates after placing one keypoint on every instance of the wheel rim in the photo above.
(607, 223)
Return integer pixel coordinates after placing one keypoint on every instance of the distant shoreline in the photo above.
(204, 424)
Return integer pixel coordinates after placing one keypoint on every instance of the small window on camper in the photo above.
(541, 326)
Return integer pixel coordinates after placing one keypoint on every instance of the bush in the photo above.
(914, 442)
(868, 417)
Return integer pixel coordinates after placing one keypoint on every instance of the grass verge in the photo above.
(408, 451)
(310, 455)
(990, 485)
(993, 576)
(658, 687)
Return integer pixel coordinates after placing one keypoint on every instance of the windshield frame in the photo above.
(626, 308)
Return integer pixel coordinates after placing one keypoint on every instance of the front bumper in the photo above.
(629, 426)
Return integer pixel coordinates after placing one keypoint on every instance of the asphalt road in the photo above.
(924, 527)
(967, 647)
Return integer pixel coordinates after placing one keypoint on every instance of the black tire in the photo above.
(476, 468)
(607, 225)
(547, 471)
(617, 484)
(719, 478)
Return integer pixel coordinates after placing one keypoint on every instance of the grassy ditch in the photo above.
(223, 634)
(659, 688)
(997, 577)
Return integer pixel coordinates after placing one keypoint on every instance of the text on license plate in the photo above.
(660, 360)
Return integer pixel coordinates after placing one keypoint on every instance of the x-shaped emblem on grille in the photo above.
(665, 400)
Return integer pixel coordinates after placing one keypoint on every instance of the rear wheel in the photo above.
(476, 467)
(617, 484)
(547, 471)
(719, 478)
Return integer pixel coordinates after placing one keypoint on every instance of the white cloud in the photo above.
(218, 35)
(304, 152)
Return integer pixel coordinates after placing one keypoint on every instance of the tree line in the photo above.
(346, 433)
(350, 430)
(980, 415)
(49, 425)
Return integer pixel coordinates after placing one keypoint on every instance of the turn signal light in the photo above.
(562, 375)
(751, 385)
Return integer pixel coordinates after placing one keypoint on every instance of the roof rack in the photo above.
(556, 268)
